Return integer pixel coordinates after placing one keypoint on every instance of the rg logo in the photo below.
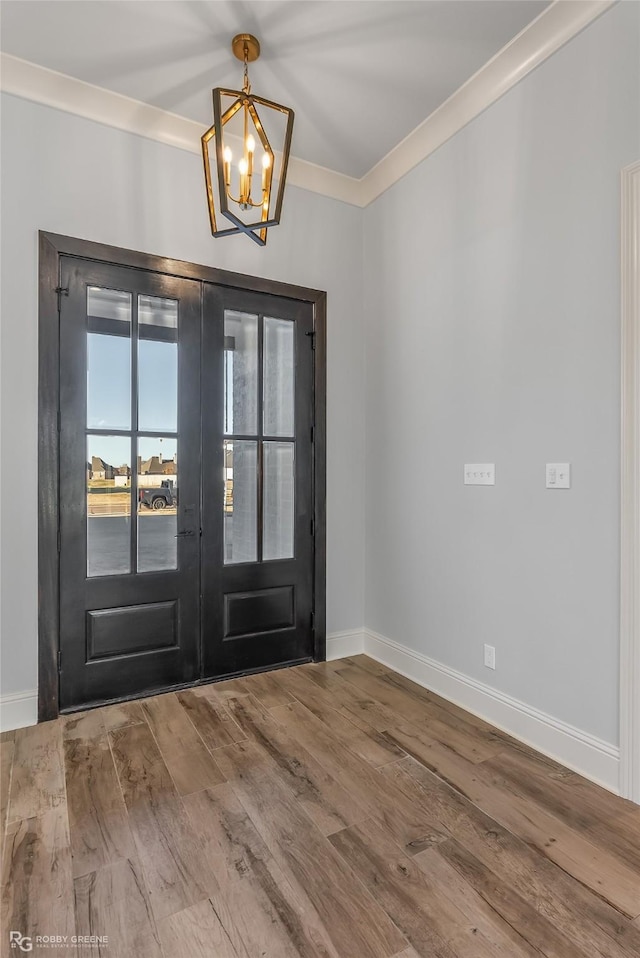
(23, 942)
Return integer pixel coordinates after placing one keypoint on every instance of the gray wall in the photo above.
(69, 175)
(493, 314)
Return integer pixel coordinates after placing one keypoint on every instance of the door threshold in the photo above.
(102, 703)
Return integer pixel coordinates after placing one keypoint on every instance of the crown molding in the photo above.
(554, 27)
(50, 88)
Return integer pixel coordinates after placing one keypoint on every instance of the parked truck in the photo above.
(159, 497)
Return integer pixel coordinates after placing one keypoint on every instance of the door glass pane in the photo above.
(279, 494)
(279, 374)
(108, 358)
(157, 364)
(240, 501)
(158, 488)
(108, 470)
(240, 373)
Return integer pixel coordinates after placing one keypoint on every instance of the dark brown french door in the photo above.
(186, 481)
(257, 550)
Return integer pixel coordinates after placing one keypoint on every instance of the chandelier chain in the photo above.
(246, 86)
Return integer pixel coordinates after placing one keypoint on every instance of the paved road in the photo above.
(108, 543)
(109, 536)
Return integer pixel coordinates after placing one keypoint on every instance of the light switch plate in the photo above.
(480, 474)
(558, 475)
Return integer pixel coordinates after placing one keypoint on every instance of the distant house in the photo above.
(155, 466)
(150, 467)
(99, 469)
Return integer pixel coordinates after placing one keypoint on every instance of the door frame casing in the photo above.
(630, 489)
(52, 247)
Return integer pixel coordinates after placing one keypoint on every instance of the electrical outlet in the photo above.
(490, 656)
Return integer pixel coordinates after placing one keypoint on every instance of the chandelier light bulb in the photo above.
(228, 156)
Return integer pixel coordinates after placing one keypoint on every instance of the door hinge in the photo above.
(312, 337)
(313, 619)
(59, 660)
(312, 526)
(61, 291)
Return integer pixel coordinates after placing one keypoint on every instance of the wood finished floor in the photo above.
(323, 811)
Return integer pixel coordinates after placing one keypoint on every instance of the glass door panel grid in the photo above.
(259, 440)
(138, 468)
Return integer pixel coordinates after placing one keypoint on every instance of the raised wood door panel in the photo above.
(257, 466)
(129, 481)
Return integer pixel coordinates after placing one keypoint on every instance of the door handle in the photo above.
(180, 535)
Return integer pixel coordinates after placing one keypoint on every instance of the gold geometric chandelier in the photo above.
(258, 132)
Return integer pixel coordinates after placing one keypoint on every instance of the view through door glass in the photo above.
(129, 482)
(258, 573)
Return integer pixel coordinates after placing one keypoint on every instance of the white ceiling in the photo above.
(360, 74)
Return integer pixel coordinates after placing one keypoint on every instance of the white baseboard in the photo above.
(18, 710)
(341, 644)
(584, 753)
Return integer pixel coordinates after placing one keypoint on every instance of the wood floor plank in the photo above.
(113, 903)
(369, 744)
(353, 701)
(267, 689)
(197, 932)
(400, 888)
(232, 843)
(425, 899)
(515, 911)
(416, 709)
(354, 922)
(324, 799)
(7, 746)
(124, 713)
(189, 761)
(177, 874)
(37, 779)
(214, 723)
(587, 919)
(455, 714)
(37, 885)
(504, 938)
(99, 824)
(269, 916)
(595, 868)
(409, 821)
(579, 806)
(621, 836)
(219, 692)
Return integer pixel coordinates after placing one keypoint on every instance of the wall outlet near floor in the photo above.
(480, 474)
(490, 656)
